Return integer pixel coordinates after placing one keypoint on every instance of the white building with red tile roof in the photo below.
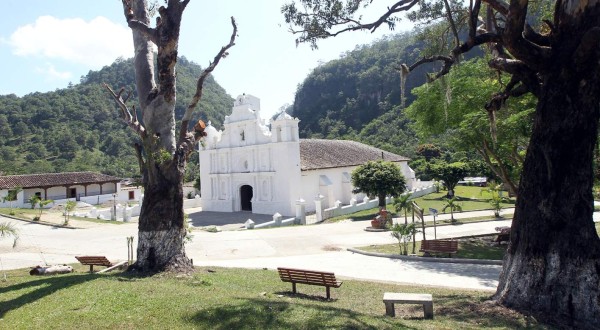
(251, 167)
(93, 188)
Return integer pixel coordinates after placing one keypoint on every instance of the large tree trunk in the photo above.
(552, 267)
(162, 155)
(162, 227)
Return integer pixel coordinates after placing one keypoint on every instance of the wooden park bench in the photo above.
(309, 277)
(94, 261)
(439, 246)
(391, 298)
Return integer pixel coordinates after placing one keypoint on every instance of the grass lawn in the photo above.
(470, 198)
(231, 299)
(29, 214)
(21, 213)
(468, 248)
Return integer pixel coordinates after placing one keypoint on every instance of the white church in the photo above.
(249, 167)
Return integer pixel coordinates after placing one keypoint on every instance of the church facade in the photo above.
(250, 167)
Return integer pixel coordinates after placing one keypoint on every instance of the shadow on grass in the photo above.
(303, 296)
(39, 289)
(271, 314)
(482, 312)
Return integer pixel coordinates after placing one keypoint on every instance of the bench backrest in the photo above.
(307, 277)
(94, 260)
(439, 245)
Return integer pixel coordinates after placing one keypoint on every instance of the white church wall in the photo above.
(338, 186)
(243, 155)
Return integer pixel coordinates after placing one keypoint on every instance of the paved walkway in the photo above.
(320, 247)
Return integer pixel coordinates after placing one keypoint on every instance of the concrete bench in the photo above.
(309, 277)
(391, 298)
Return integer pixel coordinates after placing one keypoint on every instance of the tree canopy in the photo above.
(379, 178)
(450, 174)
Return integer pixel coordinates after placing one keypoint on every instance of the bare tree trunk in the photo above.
(162, 229)
(162, 155)
(552, 267)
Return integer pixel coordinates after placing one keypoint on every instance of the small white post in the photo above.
(319, 207)
(301, 211)
(277, 219)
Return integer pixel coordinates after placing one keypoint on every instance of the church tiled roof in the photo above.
(319, 154)
(54, 179)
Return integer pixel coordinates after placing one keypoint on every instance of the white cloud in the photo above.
(53, 74)
(95, 43)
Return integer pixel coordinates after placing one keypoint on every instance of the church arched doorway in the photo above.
(246, 197)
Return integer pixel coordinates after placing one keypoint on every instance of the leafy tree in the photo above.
(8, 229)
(450, 174)
(558, 63)
(379, 178)
(162, 154)
(453, 205)
(429, 151)
(454, 105)
(403, 203)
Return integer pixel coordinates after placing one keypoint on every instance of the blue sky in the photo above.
(44, 45)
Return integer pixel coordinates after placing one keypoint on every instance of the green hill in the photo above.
(359, 95)
(77, 128)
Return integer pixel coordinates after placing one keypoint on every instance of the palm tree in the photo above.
(496, 200)
(69, 206)
(42, 203)
(453, 205)
(402, 202)
(8, 229)
(404, 234)
(33, 200)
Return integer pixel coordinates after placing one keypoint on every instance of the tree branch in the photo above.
(521, 70)
(503, 171)
(448, 61)
(200, 84)
(143, 28)
(316, 25)
(535, 56)
(130, 120)
(498, 5)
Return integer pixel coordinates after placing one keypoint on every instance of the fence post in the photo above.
(301, 211)
(319, 207)
(277, 219)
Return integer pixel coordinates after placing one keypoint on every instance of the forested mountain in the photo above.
(346, 94)
(359, 95)
(77, 128)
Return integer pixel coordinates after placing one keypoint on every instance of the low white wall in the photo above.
(366, 204)
(352, 208)
(126, 212)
